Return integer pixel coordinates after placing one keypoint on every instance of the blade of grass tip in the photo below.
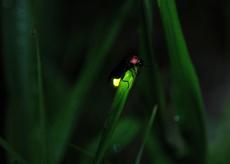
(41, 123)
(62, 128)
(12, 153)
(185, 89)
(41, 107)
(114, 115)
(146, 134)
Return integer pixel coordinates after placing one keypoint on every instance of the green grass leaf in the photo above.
(146, 135)
(41, 106)
(185, 90)
(114, 115)
(152, 84)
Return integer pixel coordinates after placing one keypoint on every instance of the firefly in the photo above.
(128, 63)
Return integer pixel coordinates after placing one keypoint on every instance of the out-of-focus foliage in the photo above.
(125, 132)
(56, 59)
(220, 145)
(185, 90)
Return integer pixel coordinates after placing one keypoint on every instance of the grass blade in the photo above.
(146, 134)
(41, 107)
(63, 125)
(185, 92)
(25, 128)
(114, 115)
(14, 156)
(152, 81)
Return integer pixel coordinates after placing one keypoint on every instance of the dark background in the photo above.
(205, 24)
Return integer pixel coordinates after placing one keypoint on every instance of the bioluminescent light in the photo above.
(116, 82)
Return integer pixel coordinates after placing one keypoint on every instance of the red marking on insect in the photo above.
(134, 60)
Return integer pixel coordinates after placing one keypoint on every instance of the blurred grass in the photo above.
(185, 90)
(42, 113)
(25, 128)
(146, 135)
(219, 146)
(156, 150)
(152, 74)
(125, 132)
(153, 86)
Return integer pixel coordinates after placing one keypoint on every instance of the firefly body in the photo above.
(118, 73)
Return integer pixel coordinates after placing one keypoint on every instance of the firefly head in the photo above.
(135, 60)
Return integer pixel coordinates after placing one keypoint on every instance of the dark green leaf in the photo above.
(146, 134)
(185, 90)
